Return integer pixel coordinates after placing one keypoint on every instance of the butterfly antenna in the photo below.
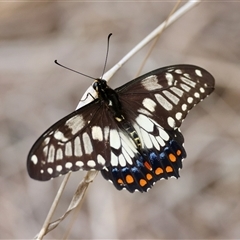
(73, 70)
(105, 63)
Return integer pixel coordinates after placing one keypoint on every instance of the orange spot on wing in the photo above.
(142, 182)
(129, 179)
(148, 166)
(158, 171)
(179, 152)
(120, 181)
(149, 176)
(169, 169)
(172, 157)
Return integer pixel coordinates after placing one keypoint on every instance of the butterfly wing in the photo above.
(166, 94)
(76, 142)
(156, 104)
(160, 158)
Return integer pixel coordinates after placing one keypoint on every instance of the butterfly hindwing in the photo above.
(160, 158)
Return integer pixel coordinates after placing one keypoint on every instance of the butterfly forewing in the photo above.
(134, 149)
(87, 139)
(166, 94)
(76, 142)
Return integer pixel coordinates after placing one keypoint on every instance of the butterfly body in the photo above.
(110, 98)
(131, 133)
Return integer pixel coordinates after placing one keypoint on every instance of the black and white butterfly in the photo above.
(131, 133)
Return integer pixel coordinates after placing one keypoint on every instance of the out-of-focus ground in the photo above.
(35, 93)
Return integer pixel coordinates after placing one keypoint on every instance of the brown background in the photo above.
(34, 93)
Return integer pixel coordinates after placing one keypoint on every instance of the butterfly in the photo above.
(130, 134)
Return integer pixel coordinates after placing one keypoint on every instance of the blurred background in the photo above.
(35, 93)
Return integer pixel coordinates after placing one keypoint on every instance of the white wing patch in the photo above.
(179, 71)
(58, 135)
(76, 123)
(185, 87)
(149, 104)
(51, 154)
(79, 163)
(177, 91)
(114, 160)
(91, 163)
(34, 159)
(87, 143)
(144, 111)
(106, 133)
(100, 159)
(198, 72)
(151, 83)
(77, 147)
(184, 107)
(68, 165)
(59, 168)
(144, 122)
(169, 78)
(68, 149)
(114, 139)
(171, 122)
(97, 133)
(59, 154)
(171, 97)
(188, 81)
(163, 102)
(121, 160)
(146, 141)
(178, 116)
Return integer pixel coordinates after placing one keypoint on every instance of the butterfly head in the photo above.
(104, 92)
(99, 85)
